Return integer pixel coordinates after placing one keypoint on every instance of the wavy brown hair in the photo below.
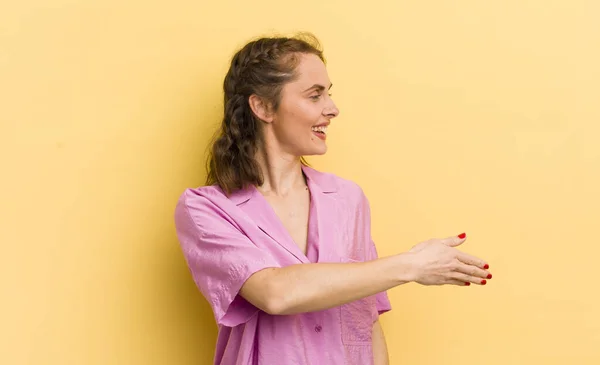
(262, 67)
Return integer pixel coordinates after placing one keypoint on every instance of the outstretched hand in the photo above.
(438, 262)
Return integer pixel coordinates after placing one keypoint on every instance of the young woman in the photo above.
(282, 252)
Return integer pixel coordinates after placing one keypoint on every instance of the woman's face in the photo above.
(299, 126)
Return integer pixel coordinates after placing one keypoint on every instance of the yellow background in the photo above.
(476, 116)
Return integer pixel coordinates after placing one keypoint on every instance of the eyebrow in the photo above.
(318, 87)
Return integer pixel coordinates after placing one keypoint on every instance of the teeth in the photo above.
(322, 129)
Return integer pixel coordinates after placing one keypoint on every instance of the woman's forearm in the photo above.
(313, 287)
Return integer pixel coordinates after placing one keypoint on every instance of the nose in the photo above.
(331, 111)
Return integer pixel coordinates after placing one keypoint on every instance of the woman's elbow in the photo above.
(265, 293)
(275, 302)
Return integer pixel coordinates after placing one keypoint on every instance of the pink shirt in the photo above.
(226, 240)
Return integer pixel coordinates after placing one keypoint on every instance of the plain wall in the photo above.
(471, 116)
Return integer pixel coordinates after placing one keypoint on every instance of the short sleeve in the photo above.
(219, 256)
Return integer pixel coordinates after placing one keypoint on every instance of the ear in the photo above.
(260, 108)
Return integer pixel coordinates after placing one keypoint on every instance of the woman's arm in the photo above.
(313, 287)
(380, 351)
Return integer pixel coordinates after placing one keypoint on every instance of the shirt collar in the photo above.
(318, 181)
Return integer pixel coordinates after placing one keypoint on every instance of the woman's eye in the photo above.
(318, 96)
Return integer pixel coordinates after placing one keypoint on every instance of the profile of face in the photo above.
(299, 125)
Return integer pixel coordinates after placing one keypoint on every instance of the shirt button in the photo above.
(318, 328)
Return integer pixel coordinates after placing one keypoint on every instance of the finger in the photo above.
(468, 278)
(458, 283)
(455, 240)
(473, 271)
(472, 260)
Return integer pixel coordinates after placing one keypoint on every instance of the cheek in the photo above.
(307, 115)
(299, 119)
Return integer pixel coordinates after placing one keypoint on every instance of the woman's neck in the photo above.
(282, 173)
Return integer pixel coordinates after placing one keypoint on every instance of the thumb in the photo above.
(455, 240)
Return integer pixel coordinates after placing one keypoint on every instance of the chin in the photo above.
(315, 151)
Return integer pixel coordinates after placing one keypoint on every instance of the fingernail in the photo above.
(489, 276)
(486, 266)
(483, 282)
(467, 283)
(462, 235)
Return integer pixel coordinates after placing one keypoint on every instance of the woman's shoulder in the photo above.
(213, 197)
(201, 193)
(204, 199)
(205, 209)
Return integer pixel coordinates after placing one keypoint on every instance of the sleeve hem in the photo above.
(237, 310)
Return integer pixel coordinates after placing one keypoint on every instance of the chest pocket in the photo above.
(357, 319)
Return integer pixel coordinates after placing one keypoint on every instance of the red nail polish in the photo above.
(467, 283)
(486, 266)
(483, 282)
(462, 235)
(489, 276)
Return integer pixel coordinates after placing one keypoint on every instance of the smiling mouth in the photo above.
(320, 130)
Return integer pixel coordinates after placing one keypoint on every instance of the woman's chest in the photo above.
(293, 213)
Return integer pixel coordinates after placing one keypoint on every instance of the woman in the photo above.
(282, 252)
